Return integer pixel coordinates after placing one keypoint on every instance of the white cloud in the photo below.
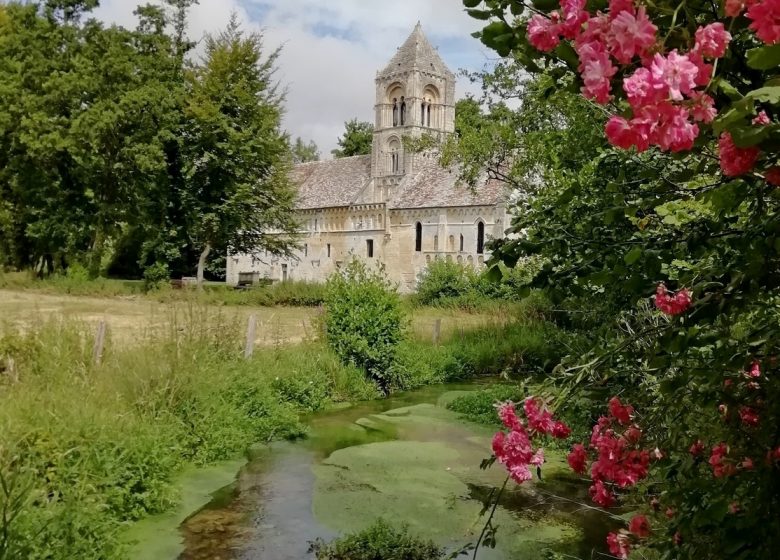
(332, 50)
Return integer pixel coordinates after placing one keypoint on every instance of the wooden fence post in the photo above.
(437, 331)
(10, 370)
(250, 336)
(100, 339)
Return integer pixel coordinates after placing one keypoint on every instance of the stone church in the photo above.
(400, 208)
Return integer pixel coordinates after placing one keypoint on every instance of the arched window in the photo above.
(429, 114)
(395, 112)
(451, 243)
(403, 111)
(422, 113)
(418, 237)
(480, 238)
(461, 242)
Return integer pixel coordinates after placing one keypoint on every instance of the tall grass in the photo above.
(89, 447)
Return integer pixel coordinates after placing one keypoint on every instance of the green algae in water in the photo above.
(157, 537)
(424, 480)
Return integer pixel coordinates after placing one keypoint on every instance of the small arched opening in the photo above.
(418, 237)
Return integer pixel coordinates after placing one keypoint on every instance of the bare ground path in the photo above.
(130, 317)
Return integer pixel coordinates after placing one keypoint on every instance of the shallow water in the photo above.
(406, 459)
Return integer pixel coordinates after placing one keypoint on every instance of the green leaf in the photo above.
(633, 255)
(769, 95)
(727, 89)
(764, 58)
(748, 135)
(565, 52)
(472, 3)
(480, 14)
(545, 5)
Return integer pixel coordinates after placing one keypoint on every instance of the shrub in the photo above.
(478, 406)
(364, 320)
(380, 541)
(156, 276)
(444, 280)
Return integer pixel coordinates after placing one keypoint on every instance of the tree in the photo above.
(356, 140)
(238, 195)
(303, 152)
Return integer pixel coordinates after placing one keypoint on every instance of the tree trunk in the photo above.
(202, 264)
(96, 256)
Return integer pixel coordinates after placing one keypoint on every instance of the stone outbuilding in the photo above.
(393, 206)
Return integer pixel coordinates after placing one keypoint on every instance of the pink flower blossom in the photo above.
(749, 416)
(669, 513)
(542, 33)
(721, 468)
(765, 16)
(747, 464)
(538, 458)
(672, 305)
(520, 473)
(560, 430)
(642, 90)
(577, 459)
(619, 545)
(755, 370)
(639, 526)
(540, 419)
(620, 412)
(617, 6)
(761, 119)
(736, 161)
(673, 131)
(676, 71)
(734, 508)
(631, 35)
(703, 108)
(508, 415)
(772, 176)
(712, 40)
(596, 29)
(596, 70)
(732, 8)
(574, 15)
(697, 448)
(620, 133)
(677, 538)
(704, 69)
(601, 495)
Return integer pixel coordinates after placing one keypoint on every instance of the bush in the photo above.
(479, 406)
(156, 276)
(364, 320)
(444, 280)
(380, 541)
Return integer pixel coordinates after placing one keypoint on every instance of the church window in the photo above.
(480, 237)
(429, 114)
(370, 248)
(305, 250)
(316, 225)
(422, 113)
(395, 112)
(418, 237)
(328, 250)
(403, 111)
(461, 242)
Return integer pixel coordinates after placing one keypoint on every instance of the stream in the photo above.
(406, 458)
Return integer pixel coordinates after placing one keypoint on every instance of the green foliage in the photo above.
(364, 320)
(479, 406)
(356, 140)
(448, 284)
(379, 541)
(303, 152)
(156, 276)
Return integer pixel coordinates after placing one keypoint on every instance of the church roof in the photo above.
(340, 182)
(433, 186)
(325, 184)
(416, 51)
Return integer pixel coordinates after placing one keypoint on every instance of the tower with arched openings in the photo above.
(415, 95)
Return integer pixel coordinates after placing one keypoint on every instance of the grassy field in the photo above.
(131, 317)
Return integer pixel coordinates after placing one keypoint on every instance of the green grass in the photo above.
(86, 448)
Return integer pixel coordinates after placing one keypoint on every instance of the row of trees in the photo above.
(117, 151)
(617, 228)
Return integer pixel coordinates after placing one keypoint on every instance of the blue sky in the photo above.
(332, 49)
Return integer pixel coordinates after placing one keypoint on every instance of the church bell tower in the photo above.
(415, 95)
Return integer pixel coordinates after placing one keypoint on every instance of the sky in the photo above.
(332, 49)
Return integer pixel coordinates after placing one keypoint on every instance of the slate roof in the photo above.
(416, 50)
(326, 184)
(432, 186)
(340, 182)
